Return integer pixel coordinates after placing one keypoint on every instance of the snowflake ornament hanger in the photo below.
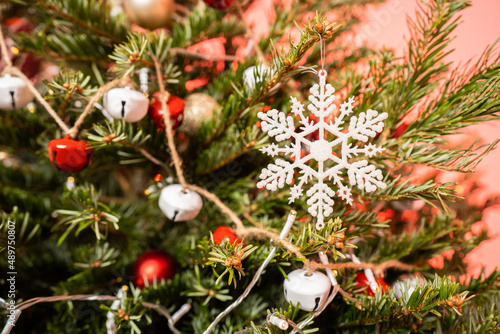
(360, 172)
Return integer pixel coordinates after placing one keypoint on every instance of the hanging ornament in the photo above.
(178, 204)
(125, 103)
(362, 281)
(199, 108)
(219, 4)
(255, 74)
(175, 109)
(398, 132)
(223, 232)
(308, 290)
(154, 264)
(405, 285)
(70, 155)
(150, 14)
(366, 176)
(14, 93)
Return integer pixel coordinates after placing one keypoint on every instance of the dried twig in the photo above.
(378, 269)
(168, 125)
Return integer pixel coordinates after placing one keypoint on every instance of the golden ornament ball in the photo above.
(199, 108)
(150, 14)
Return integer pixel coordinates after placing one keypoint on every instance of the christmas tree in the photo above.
(181, 174)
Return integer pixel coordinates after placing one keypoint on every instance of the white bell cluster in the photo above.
(310, 291)
(14, 93)
(126, 103)
(178, 204)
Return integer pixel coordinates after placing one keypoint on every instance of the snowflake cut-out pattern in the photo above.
(360, 173)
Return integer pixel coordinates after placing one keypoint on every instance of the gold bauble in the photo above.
(199, 108)
(150, 14)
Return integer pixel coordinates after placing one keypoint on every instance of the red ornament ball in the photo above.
(223, 232)
(158, 177)
(362, 281)
(175, 108)
(398, 132)
(219, 4)
(69, 155)
(154, 263)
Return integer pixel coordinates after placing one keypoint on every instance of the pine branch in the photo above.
(73, 46)
(425, 301)
(204, 24)
(234, 144)
(476, 101)
(86, 15)
(429, 239)
(119, 134)
(427, 153)
(284, 65)
(26, 227)
(428, 191)
(59, 55)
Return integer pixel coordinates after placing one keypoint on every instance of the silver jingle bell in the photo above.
(14, 93)
(125, 103)
(307, 290)
(179, 205)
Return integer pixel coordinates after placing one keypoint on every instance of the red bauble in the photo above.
(70, 155)
(223, 232)
(219, 4)
(398, 132)
(175, 108)
(26, 62)
(154, 263)
(362, 281)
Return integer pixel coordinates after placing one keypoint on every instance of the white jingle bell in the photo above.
(179, 205)
(125, 103)
(406, 284)
(14, 93)
(309, 291)
(255, 74)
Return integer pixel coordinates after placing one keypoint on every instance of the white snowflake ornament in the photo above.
(330, 165)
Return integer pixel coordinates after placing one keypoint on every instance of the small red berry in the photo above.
(223, 232)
